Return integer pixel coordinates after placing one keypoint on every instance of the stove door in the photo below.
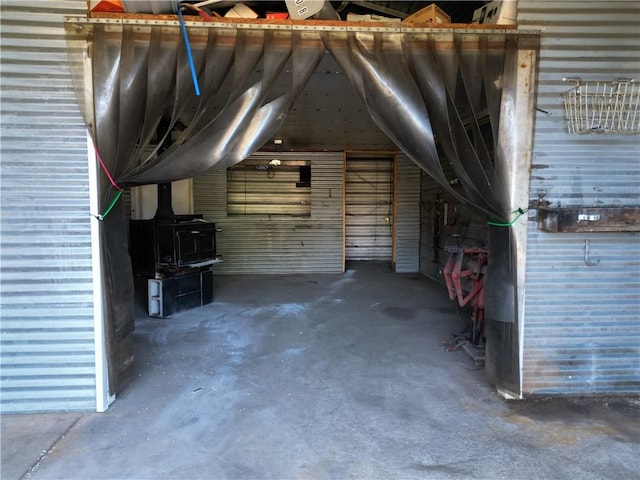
(195, 243)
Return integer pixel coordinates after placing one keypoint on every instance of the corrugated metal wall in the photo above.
(582, 324)
(47, 333)
(369, 206)
(407, 216)
(267, 244)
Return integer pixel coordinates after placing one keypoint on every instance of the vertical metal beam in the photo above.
(521, 167)
(103, 395)
(515, 152)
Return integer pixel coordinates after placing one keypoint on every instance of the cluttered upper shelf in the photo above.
(429, 16)
(312, 22)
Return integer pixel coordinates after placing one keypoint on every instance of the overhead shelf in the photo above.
(270, 23)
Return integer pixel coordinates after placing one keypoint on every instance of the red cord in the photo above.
(200, 11)
(205, 15)
(106, 171)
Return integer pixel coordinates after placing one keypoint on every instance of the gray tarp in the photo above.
(429, 92)
(433, 92)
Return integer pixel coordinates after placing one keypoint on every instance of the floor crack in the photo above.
(45, 453)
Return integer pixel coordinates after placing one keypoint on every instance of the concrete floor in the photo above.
(321, 377)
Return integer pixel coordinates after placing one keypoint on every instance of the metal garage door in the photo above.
(369, 206)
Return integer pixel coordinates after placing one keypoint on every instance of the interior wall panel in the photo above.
(276, 244)
(407, 216)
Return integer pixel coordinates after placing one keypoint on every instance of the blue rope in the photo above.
(187, 45)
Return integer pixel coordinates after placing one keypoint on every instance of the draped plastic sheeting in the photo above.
(451, 100)
(141, 79)
(431, 93)
(428, 93)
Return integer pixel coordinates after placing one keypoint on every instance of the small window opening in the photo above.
(276, 187)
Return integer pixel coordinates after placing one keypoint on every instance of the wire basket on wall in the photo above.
(603, 107)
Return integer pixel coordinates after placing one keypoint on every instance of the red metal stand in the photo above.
(464, 276)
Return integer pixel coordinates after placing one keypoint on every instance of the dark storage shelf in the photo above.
(589, 219)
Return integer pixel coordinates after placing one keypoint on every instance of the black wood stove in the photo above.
(175, 253)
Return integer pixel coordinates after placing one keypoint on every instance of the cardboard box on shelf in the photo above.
(429, 14)
(240, 10)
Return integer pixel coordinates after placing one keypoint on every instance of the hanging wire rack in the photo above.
(602, 107)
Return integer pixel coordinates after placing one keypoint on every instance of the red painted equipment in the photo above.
(464, 275)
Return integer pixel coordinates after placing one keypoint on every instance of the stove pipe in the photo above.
(164, 212)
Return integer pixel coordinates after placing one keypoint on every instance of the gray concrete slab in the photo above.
(26, 440)
(322, 377)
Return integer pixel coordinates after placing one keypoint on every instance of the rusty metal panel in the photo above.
(407, 217)
(47, 332)
(582, 302)
(589, 219)
(274, 244)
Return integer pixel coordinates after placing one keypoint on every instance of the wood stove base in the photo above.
(179, 292)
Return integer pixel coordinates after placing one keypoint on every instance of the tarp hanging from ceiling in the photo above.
(429, 92)
(439, 95)
(142, 82)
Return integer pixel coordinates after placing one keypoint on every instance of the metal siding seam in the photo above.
(582, 324)
(47, 332)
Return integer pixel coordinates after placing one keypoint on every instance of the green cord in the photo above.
(101, 217)
(519, 211)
